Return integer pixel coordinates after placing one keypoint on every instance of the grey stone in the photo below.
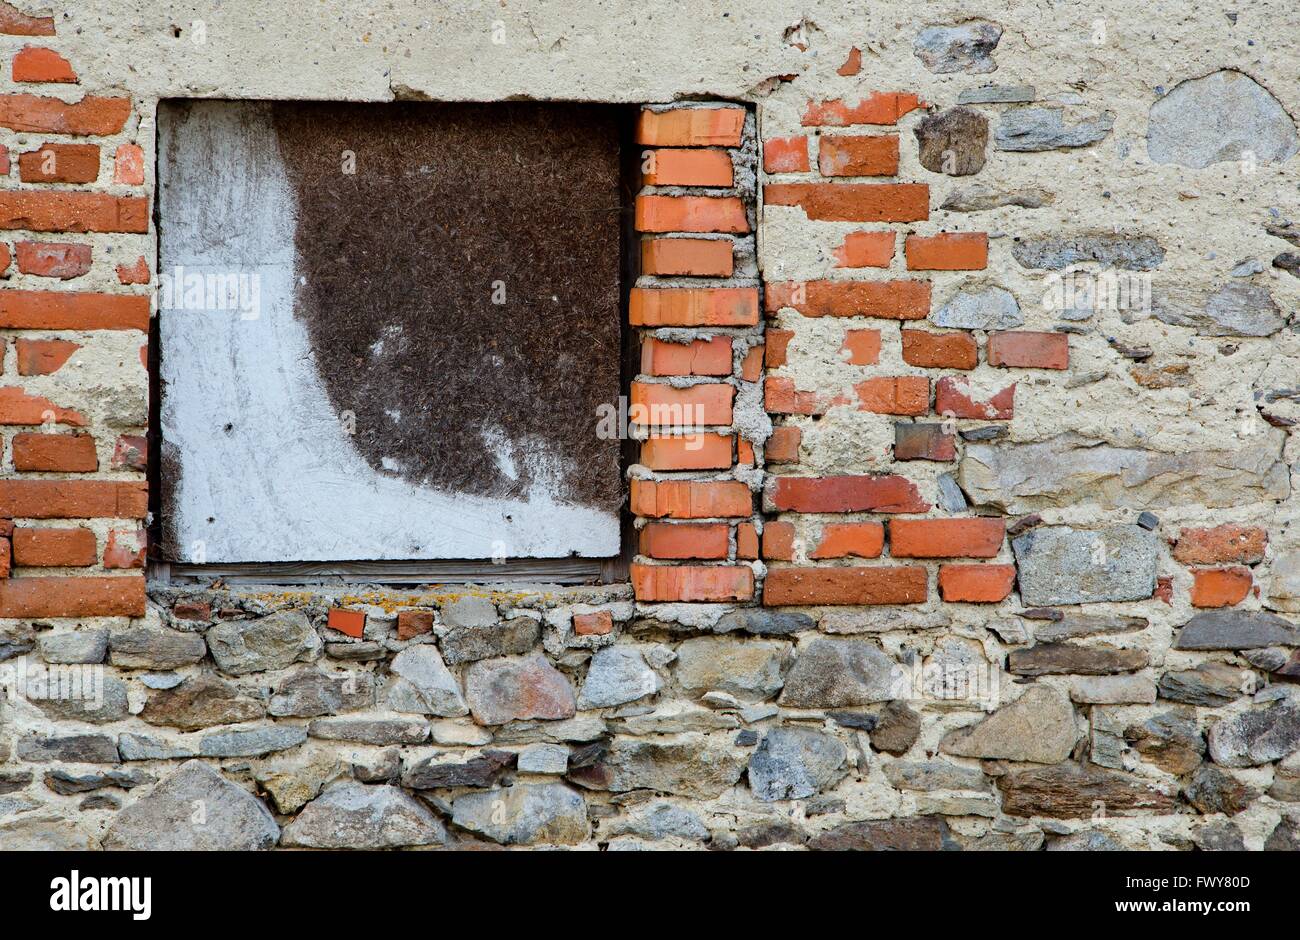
(1170, 740)
(1219, 117)
(760, 622)
(617, 675)
(1230, 629)
(14, 780)
(544, 759)
(525, 814)
(422, 684)
(934, 775)
(469, 612)
(95, 702)
(1038, 727)
(998, 94)
(832, 673)
(1063, 565)
(16, 640)
(748, 669)
(1112, 690)
(201, 702)
(1033, 129)
(291, 786)
(353, 815)
(382, 767)
(144, 747)
(433, 773)
(74, 647)
(951, 498)
(795, 763)
(1212, 790)
(1235, 309)
(581, 729)
(1285, 836)
(154, 648)
(273, 642)
(675, 717)
(1047, 659)
(1286, 779)
(979, 308)
(1220, 835)
(952, 141)
(966, 47)
(160, 680)
(45, 833)
(68, 749)
(980, 198)
(662, 821)
(897, 728)
(194, 809)
(467, 644)
(1209, 684)
(690, 765)
(459, 733)
(309, 693)
(365, 652)
(251, 742)
(1055, 252)
(517, 688)
(363, 730)
(1089, 840)
(1068, 791)
(1072, 624)
(68, 784)
(1257, 736)
(919, 834)
(1068, 471)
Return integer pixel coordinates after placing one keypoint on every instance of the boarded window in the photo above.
(385, 331)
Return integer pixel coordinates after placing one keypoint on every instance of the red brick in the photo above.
(865, 250)
(751, 366)
(54, 548)
(691, 257)
(1164, 590)
(691, 127)
(948, 251)
(781, 397)
(1220, 587)
(691, 214)
(17, 407)
(778, 541)
(711, 167)
(60, 163)
(73, 212)
(775, 344)
(349, 622)
(694, 306)
(53, 259)
(861, 347)
(69, 453)
(693, 583)
(35, 64)
(128, 165)
(125, 549)
(202, 610)
(413, 623)
(136, 273)
(688, 452)
(881, 107)
(5, 258)
(1225, 543)
(783, 445)
(846, 494)
(4, 161)
(72, 597)
(666, 406)
(746, 542)
(13, 22)
(785, 155)
(894, 395)
(1026, 350)
(889, 300)
(131, 452)
(976, 584)
(952, 398)
(43, 356)
(675, 540)
(744, 453)
(853, 202)
(940, 350)
(853, 64)
(92, 115)
(699, 357)
(858, 156)
(73, 499)
(850, 540)
(598, 623)
(865, 586)
(946, 538)
(923, 442)
(682, 499)
(72, 310)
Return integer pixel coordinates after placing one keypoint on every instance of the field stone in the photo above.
(79, 647)
(145, 747)
(978, 197)
(525, 814)
(1285, 836)
(952, 141)
(68, 784)
(918, 834)
(966, 47)
(795, 763)
(154, 648)
(469, 612)
(251, 742)
(200, 702)
(998, 94)
(1038, 727)
(469, 644)
(1068, 791)
(1063, 565)
(164, 819)
(1035, 129)
(1111, 250)
(292, 785)
(1209, 684)
(358, 729)
(833, 673)
(1171, 740)
(517, 688)
(1257, 736)
(16, 640)
(1212, 790)
(760, 622)
(435, 772)
(662, 820)
(1112, 690)
(273, 642)
(897, 728)
(979, 308)
(1230, 629)
(1217, 118)
(353, 815)
(421, 684)
(750, 670)
(68, 748)
(544, 759)
(1235, 309)
(934, 775)
(690, 765)
(1046, 659)
(309, 693)
(45, 833)
(617, 675)
(96, 706)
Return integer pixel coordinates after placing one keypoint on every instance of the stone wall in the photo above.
(992, 547)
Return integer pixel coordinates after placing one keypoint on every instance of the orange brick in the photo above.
(688, 452)
(73, 212)
(72, 310)
(693, 583)
(349, 622)
(694, 306)
(853, 64)
(865, 250)
(783, 445)
(775, 343)
(597, 623)
(948, 251)
(864, 586)
(691, 257)
(676, 540)
(751, 366)
(34, 64)
(853, 202)
(780, 396)
(699, 357)
(63, 260)
(952, 398)
(881, 107)
(54, 548)
(128, 165)
(666, 406)
(858, 156)
(125, 549)
(778, 541)
(43, 356)
(851, 540)
(785, 155)
(5, 257)
(746, 542)
(709, 167)
(13, 22)
(861, 347)
(946, 538)
(676, 499)
(744, 453)
(887, 300)
(60, 163)
(17, 407)
(1226, 543)
(73, 499)
(69, 453)
(846, 494)
(976, 584)
(91, 115)
(691, 214)
(136, 273)
(940, 350)
(72, 597)
(1220, 587)
(894, 395)
(1027, 350)
(413, 623)
(691, 127)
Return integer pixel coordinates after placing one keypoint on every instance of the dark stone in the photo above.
(746, 738)
(1066, 626)
(859, 721)
(897, 729)
(1068, 791)
(365, 652)
(1285, 836)
(12, 781)
(761, 622)
(477, 772)
(1055, 252)
(67, 784)
(70, 749)
(1209, 684)
(1231, 629)
(1220, 835)
(472, 643)
(1047, 659)
(757, 837)
(920, 834)
(201, 702)
(1171, 740)
(953, 141)
(1211, 790)
(1148, 520)
(990, 432)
